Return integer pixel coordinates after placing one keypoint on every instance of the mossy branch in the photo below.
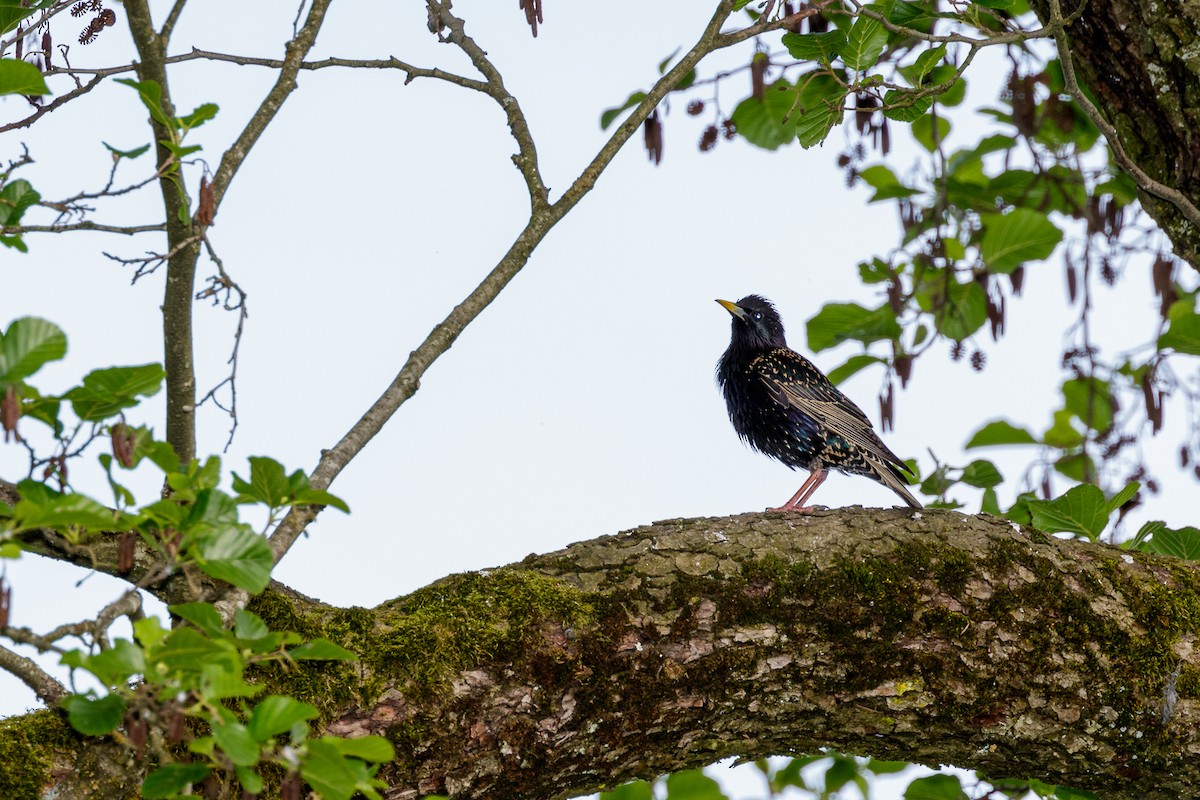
(931, 637)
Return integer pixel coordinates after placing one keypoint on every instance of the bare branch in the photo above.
(56, 103)
(85, 225)
(43, 685)
(443, 336)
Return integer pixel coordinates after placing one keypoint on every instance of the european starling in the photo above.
(782, 405)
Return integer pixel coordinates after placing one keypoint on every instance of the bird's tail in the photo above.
(891, 477)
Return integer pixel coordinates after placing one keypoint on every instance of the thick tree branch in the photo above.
(932, 637)
(48, 690)
(1135, 59)
(178, 352)
(1147, 184)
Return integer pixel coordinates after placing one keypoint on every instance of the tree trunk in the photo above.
(1140, 59)
(931, 637)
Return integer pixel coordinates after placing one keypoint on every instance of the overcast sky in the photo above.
(582, 402)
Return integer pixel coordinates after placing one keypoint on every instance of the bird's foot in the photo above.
(800, 509)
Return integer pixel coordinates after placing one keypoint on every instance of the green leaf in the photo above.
(822, 47)
(1124, 496)
(838, 322)
(611, 114)
(1000, 432)
(1082, 511)
(331, 774)
(238, 556)
(693, 784)
(248, 625)
(321, 650)
(250, 780)
(885, 183)
(15, 199)
(922, 131)
(769, 122)
(316, 497)
(1181, 543)
(1012, 239)
(981, 474)
(204, 616)
(852, 366)
(172, 779)
(904, 105)
(935, 787)
(116, 665)
(1091, 401)
(268, 483)
(276, 714)
(237, 743)
(201, 115)
(1062, 433)
(821, 107)
(865, 42)
(94, 717)
(990, 504)
(634, 790)
(130, 154)
(1183, 335)
(1148, 529)
(21, 77)
(29, 343)
(106, 392)
(369, 748)
(62, 512)
(962, 312)
(926, 62)
(151, 96)
(1077, 466)
(11, 13)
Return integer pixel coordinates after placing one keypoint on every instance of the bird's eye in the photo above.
(758, 315)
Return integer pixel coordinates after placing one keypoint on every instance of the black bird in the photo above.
(782, 405)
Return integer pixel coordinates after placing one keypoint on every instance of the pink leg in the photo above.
(804, 492)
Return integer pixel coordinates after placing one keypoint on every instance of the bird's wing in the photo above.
(793, 381)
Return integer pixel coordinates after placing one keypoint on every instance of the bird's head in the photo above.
(756, 323)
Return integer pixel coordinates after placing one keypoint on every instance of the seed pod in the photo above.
(695, 108)
(887, 409)
(10, 412)
(205, 208)
(653, 134)
(708, 139)
(817, 24)
(957, 350)
(903, 366)
(1153, 402)
(1017, 278)
(125, 549)
(533, 14)
(758, 71)
(1185, 457)
(895, 296)
(5, 602)
(1046, 485)
(175, 725)
(728, 129)
(1072, 285)
(123, 442)
(135, 731)
(47, 47)
(978, 360)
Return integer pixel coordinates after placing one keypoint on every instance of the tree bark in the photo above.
(1140, 61)
(931, 637)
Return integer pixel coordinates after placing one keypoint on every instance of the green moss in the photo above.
(26, 744)
(464, 620)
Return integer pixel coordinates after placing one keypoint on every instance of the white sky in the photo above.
(582, 402)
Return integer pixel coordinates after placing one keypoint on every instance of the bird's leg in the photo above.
(804, 492)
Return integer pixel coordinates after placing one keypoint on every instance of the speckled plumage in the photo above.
(783, 406)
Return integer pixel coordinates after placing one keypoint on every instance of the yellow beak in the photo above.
(733, 308)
